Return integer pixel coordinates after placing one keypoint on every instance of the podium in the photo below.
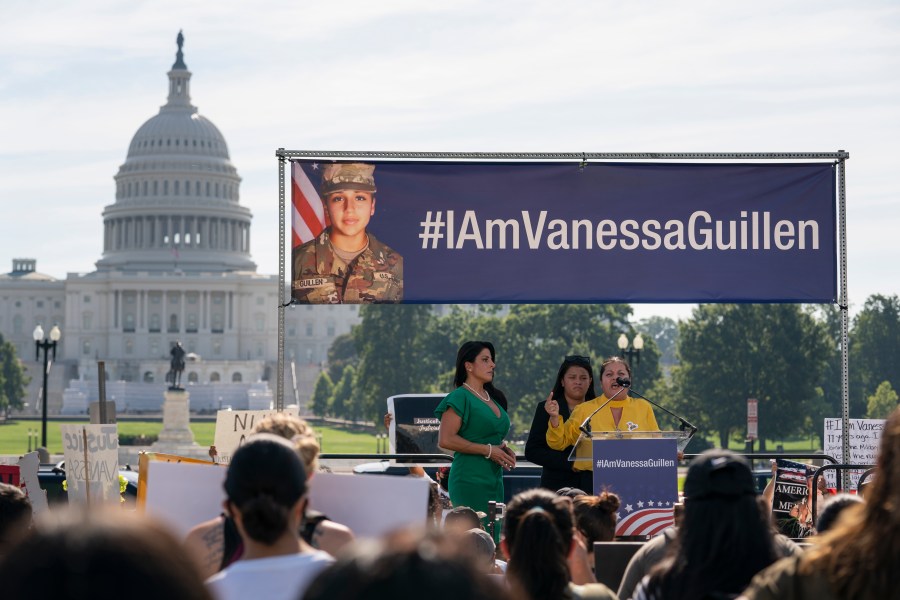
(641, 468)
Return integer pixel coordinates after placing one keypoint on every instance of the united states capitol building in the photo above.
(175, 266)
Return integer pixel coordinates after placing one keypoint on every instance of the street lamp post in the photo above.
(42, 343)
(631, 353)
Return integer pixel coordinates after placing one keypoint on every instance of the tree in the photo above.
(13, 380)
(730, 352)
(321, 394)
(339, 403)
(389, 341)
(883, 402)
(664, 332)
(341, 353)
(875, 347)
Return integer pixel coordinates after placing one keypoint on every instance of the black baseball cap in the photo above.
(720, 473)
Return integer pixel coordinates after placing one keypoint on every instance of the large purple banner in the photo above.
(447, 232)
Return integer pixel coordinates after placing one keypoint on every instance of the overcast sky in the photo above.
(78, 79)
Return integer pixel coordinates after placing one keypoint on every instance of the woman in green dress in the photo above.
(473, 424)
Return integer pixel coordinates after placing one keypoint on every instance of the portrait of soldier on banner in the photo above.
(343, 263)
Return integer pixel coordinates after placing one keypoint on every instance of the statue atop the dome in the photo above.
(179, 56)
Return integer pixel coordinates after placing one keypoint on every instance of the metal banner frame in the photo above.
(839, 158)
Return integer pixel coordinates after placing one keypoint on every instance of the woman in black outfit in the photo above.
(574, 384)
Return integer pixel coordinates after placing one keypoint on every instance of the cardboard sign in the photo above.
(183, 494)
(865, 437)
(414, 428)
(233, 427)
(92, 463)
(28, 469)
(371, 505)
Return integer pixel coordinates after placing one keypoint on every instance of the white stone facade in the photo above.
(175, 266)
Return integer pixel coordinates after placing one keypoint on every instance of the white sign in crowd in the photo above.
(865, 437)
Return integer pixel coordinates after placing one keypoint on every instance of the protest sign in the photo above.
(92, 463)
(233, 427)
(28, 469)
(865, 437)
(183, 494)
(790, 503)
(371, 505)
(414, 428)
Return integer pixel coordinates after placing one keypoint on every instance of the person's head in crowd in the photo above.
(300, 434)
(15, 517)
(539, 529)
(266, 490)
(442, 475)
(405, 565)
(858, 554)
(595, 517)
(570, 492)
(100, 555)
(479, 544)
(828, 514)
(462, 518)
(611, 369)
(467, 357)
(575, 379)
(724, 537)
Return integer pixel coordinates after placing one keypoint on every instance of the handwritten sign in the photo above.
(865, 437)
(92, 463)
(233, 427)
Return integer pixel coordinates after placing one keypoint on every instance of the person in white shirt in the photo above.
(266, 489)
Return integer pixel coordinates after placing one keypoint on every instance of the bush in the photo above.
(130, 439)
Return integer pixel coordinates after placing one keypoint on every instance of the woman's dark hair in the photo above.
(595, 517)
(614, 359)
(265, 480)
(538, 528)
(78, 555)
(829, 514)
(574, 361)
(467, 353)
(405, 565)
(722, 542)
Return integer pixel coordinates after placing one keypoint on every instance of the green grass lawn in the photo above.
(14, 435)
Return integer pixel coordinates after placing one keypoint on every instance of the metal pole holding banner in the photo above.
(844, 305)
(282, 300)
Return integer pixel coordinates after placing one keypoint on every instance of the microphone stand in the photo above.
(684, 422)
(585, 427)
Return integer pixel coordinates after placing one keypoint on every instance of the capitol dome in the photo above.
(177, 194)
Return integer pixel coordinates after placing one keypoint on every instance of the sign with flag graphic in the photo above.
(644, 474)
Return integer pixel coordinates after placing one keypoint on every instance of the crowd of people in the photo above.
(269, 543)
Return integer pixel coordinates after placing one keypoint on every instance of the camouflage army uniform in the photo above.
(321, 277)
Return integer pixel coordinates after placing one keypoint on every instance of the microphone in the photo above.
(684, 423)
(585, 427)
